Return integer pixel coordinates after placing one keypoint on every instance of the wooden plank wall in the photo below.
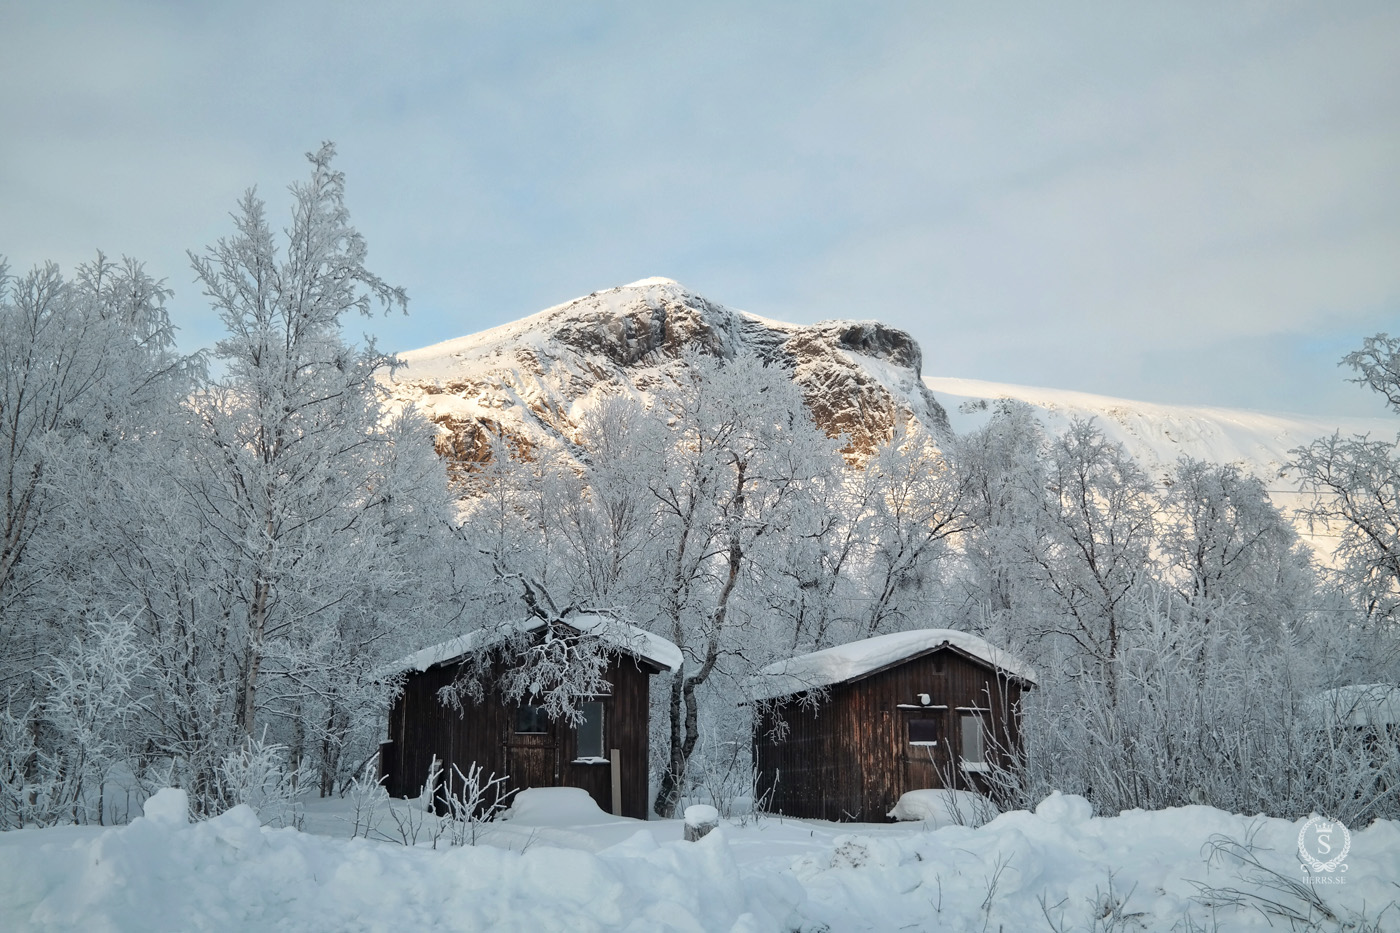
(848, 760)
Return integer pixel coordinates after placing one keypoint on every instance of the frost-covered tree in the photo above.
(89, 376)
(604, 508)
(1094, 540)
(737, 457)
(84, 365)
(313, 505)
(918, 504)
(1225, 543)
(1356, 481)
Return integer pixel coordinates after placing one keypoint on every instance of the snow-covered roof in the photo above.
(1363, 704)
(848, 662)
(625, 637)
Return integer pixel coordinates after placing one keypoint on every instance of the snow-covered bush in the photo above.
(368, 798)
(1198, 713)
(28, 783)
(59, 753)
(260, 775)
(470, 801)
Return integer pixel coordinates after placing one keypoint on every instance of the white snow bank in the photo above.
(1154, 871)
(940, 807)
(615, 632)
(1060, 868)
(651, 280)
(848, 662)
(230, 873)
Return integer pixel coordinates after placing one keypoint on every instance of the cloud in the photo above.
(1080, 190)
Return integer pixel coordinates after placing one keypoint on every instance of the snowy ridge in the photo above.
(619, 634)
(844, 663)
(1157, 435)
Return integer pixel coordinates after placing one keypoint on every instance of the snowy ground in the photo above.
(560, 864)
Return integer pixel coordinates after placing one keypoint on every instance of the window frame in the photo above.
(935, 727)
(587, 723)
(966, 717)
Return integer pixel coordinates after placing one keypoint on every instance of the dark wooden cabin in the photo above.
(932, 708)
(606, 754)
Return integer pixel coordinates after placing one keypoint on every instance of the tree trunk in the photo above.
(673, 777)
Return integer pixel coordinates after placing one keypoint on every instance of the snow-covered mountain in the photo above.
(1157, 435)
(535, 377)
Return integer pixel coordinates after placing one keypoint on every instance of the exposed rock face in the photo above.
(531, 380)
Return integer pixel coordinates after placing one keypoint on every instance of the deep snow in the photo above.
(560, 864)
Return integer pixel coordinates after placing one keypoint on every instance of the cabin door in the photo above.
(923, 748)
(531, 749)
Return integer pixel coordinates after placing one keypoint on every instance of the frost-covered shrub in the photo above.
(28, 785)
(259, 774)
(1198, 713)
(469, 801)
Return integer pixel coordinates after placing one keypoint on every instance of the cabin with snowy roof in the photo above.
(842, 733)
(604, 753)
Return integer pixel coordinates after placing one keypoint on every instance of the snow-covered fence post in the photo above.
(699, 820)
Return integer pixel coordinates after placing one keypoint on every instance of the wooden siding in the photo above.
(850, 758)
(420, 726)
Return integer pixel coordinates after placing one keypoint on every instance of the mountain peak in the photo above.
(652, 280)
(534, 378)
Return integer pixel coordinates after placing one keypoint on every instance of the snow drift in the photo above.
(1187, 868)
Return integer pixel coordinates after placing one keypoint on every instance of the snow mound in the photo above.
(228, 873)
(848, 662)
(1065, 809)
(940, 807)
(170, 807)
(554, 806)
(700, 814)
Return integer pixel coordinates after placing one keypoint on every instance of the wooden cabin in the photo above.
(842, 733)
(606, 753)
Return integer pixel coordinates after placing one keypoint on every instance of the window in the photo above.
(923, 732)
(974, 752)
(531, 719)
(590, 732)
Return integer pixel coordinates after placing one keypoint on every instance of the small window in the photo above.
(590, 732)
(974, 750)
(923, 732)
(531, 719)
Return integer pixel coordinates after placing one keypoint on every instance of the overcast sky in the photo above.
(1176, 202)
